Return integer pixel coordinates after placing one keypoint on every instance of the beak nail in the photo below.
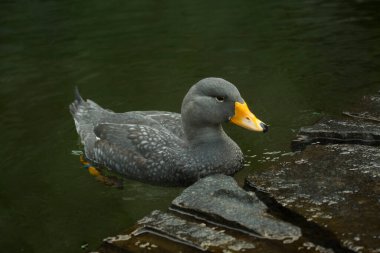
(265, 127)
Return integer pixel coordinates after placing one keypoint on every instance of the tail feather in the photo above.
(81, 112)
(78, 97)
(74, 106)
(86, 115)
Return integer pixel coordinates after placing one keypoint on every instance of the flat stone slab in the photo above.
(361, 125)
(196, 236)
(343, 130)
(167, 232)
(334, 187)
(212, 215)
(218, 198)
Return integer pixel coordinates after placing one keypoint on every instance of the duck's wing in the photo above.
(171, 121)
(137, 151)
(87, 115)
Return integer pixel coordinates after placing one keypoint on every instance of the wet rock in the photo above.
(167, 232)
(361, 125)
(198, 235)
(220, 199)
(343, 130)
(330, 191)
(213, 215)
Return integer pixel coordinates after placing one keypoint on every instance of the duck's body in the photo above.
(164, 147)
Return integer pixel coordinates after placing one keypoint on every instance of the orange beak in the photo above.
(245, 118)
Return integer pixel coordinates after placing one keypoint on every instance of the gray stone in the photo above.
(335, 187)
(213, 215)
(199, 235)
(361, 125)
(166, 232)
(344, 130)
(220, 199)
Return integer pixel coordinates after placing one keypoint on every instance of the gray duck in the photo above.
(168, 148)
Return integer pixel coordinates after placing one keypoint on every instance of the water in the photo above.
(293, 62)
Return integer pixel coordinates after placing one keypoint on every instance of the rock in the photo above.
(213, 215)
(220, 199)
(331, 192)
(167, 232)
(344, 130)
(183, 235)
(361, 125)
(198, 235)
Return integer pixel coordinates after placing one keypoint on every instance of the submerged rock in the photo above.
(344, 130)
(220, 199)
(335, 188)
(361, 125)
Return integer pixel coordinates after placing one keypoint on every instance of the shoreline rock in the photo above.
(336, 187)
(213, 215)
(361, 125)
(221, 200)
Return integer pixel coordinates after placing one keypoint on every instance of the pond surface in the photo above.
(293, 61)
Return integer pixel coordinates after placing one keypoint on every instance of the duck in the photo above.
(168, 148)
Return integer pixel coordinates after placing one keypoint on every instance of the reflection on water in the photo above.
(292, 61)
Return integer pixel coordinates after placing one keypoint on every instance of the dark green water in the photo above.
(293, 62)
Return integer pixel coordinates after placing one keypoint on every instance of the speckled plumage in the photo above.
(164, 147)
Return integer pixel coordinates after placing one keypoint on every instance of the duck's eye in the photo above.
(219, 98)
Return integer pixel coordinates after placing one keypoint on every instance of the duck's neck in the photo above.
(198, 135)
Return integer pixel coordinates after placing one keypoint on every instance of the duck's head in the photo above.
(213, 101)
